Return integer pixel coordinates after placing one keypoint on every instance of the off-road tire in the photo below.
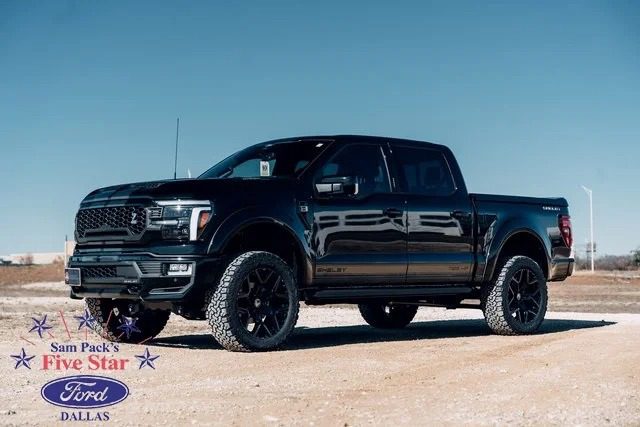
(495, 298)
(108, 315)
(386, 316)
(222, 309)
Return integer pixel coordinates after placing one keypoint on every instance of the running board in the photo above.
(385, 292)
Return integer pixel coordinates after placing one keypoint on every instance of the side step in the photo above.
(354, 294)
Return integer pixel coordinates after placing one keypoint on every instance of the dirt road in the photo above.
(443, 369)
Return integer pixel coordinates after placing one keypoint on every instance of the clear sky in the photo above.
(534, 98)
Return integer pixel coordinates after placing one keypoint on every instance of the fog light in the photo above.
(174, 268)
(178, 269)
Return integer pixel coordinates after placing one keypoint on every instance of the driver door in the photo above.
(359, 235)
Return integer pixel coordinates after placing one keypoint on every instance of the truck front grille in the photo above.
(103, 272)
(112, 221)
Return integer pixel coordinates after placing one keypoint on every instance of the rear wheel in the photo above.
(515, 302)
(388, 316)
(255, 305)
(125, 321)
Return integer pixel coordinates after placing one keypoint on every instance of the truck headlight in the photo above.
(182, 219)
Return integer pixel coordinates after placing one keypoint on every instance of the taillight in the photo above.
(564, 222)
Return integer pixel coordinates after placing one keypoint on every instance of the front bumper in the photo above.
(142, 276)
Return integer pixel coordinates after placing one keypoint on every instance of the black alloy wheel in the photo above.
(515, 301)
(255, 304)
(263, 302)
(524, 296)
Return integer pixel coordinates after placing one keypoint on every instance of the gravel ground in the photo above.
(444, 369)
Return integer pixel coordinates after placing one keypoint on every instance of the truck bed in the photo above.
(540, 201)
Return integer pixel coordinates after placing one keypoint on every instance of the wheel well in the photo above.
(269, 237)
(524, 243)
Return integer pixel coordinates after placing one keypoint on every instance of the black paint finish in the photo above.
(390, 245)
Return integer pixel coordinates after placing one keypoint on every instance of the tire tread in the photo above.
(493, 297)
(219, 298)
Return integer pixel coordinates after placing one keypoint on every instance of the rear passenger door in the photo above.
(439, 218)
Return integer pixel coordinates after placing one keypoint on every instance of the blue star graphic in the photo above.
(39, 326)
(129, 326)
(86, 320)
(22, 359)
(146, 359)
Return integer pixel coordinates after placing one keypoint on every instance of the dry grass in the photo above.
(605, 278)
(15, 275)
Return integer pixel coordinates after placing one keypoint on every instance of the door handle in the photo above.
(392, 212)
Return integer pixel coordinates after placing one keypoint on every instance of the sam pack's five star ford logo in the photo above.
(82, 393)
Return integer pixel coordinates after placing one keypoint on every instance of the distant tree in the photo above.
(581, 263)
(26, 259)
(614, 262)
(635, 255)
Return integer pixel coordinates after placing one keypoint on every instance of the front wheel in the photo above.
(515, 302)
(255, 305)
(388, 316)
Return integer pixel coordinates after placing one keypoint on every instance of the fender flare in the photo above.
(507, 230)
(249, 216)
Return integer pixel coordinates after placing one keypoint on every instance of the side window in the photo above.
(423, 171)
(364, 163)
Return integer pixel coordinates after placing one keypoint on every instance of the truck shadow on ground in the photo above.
(307, 338)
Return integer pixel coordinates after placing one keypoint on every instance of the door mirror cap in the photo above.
(337, 185)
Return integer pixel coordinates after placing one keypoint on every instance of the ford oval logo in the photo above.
(84, 391)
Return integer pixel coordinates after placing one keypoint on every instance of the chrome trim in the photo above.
(165, 222)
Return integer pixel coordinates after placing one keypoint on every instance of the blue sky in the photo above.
(534, 98)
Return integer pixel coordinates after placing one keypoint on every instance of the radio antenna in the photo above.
(175, 163)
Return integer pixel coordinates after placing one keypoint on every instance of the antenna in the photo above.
(175, 163)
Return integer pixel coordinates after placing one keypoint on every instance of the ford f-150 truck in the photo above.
(383, 223)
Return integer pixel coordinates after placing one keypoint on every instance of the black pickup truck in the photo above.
(384, 223)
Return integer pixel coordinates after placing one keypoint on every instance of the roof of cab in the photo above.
(355, 138)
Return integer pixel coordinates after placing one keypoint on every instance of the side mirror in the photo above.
(337, 185)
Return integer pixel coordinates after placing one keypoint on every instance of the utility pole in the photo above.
(175, 163)
(590, 194)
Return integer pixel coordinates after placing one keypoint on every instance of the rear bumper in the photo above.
(561, 269)
(142, 276)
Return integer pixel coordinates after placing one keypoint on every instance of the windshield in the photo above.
(281, 159)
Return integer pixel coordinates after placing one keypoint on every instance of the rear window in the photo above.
(423, 171)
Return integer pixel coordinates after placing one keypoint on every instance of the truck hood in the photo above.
(200, 189)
